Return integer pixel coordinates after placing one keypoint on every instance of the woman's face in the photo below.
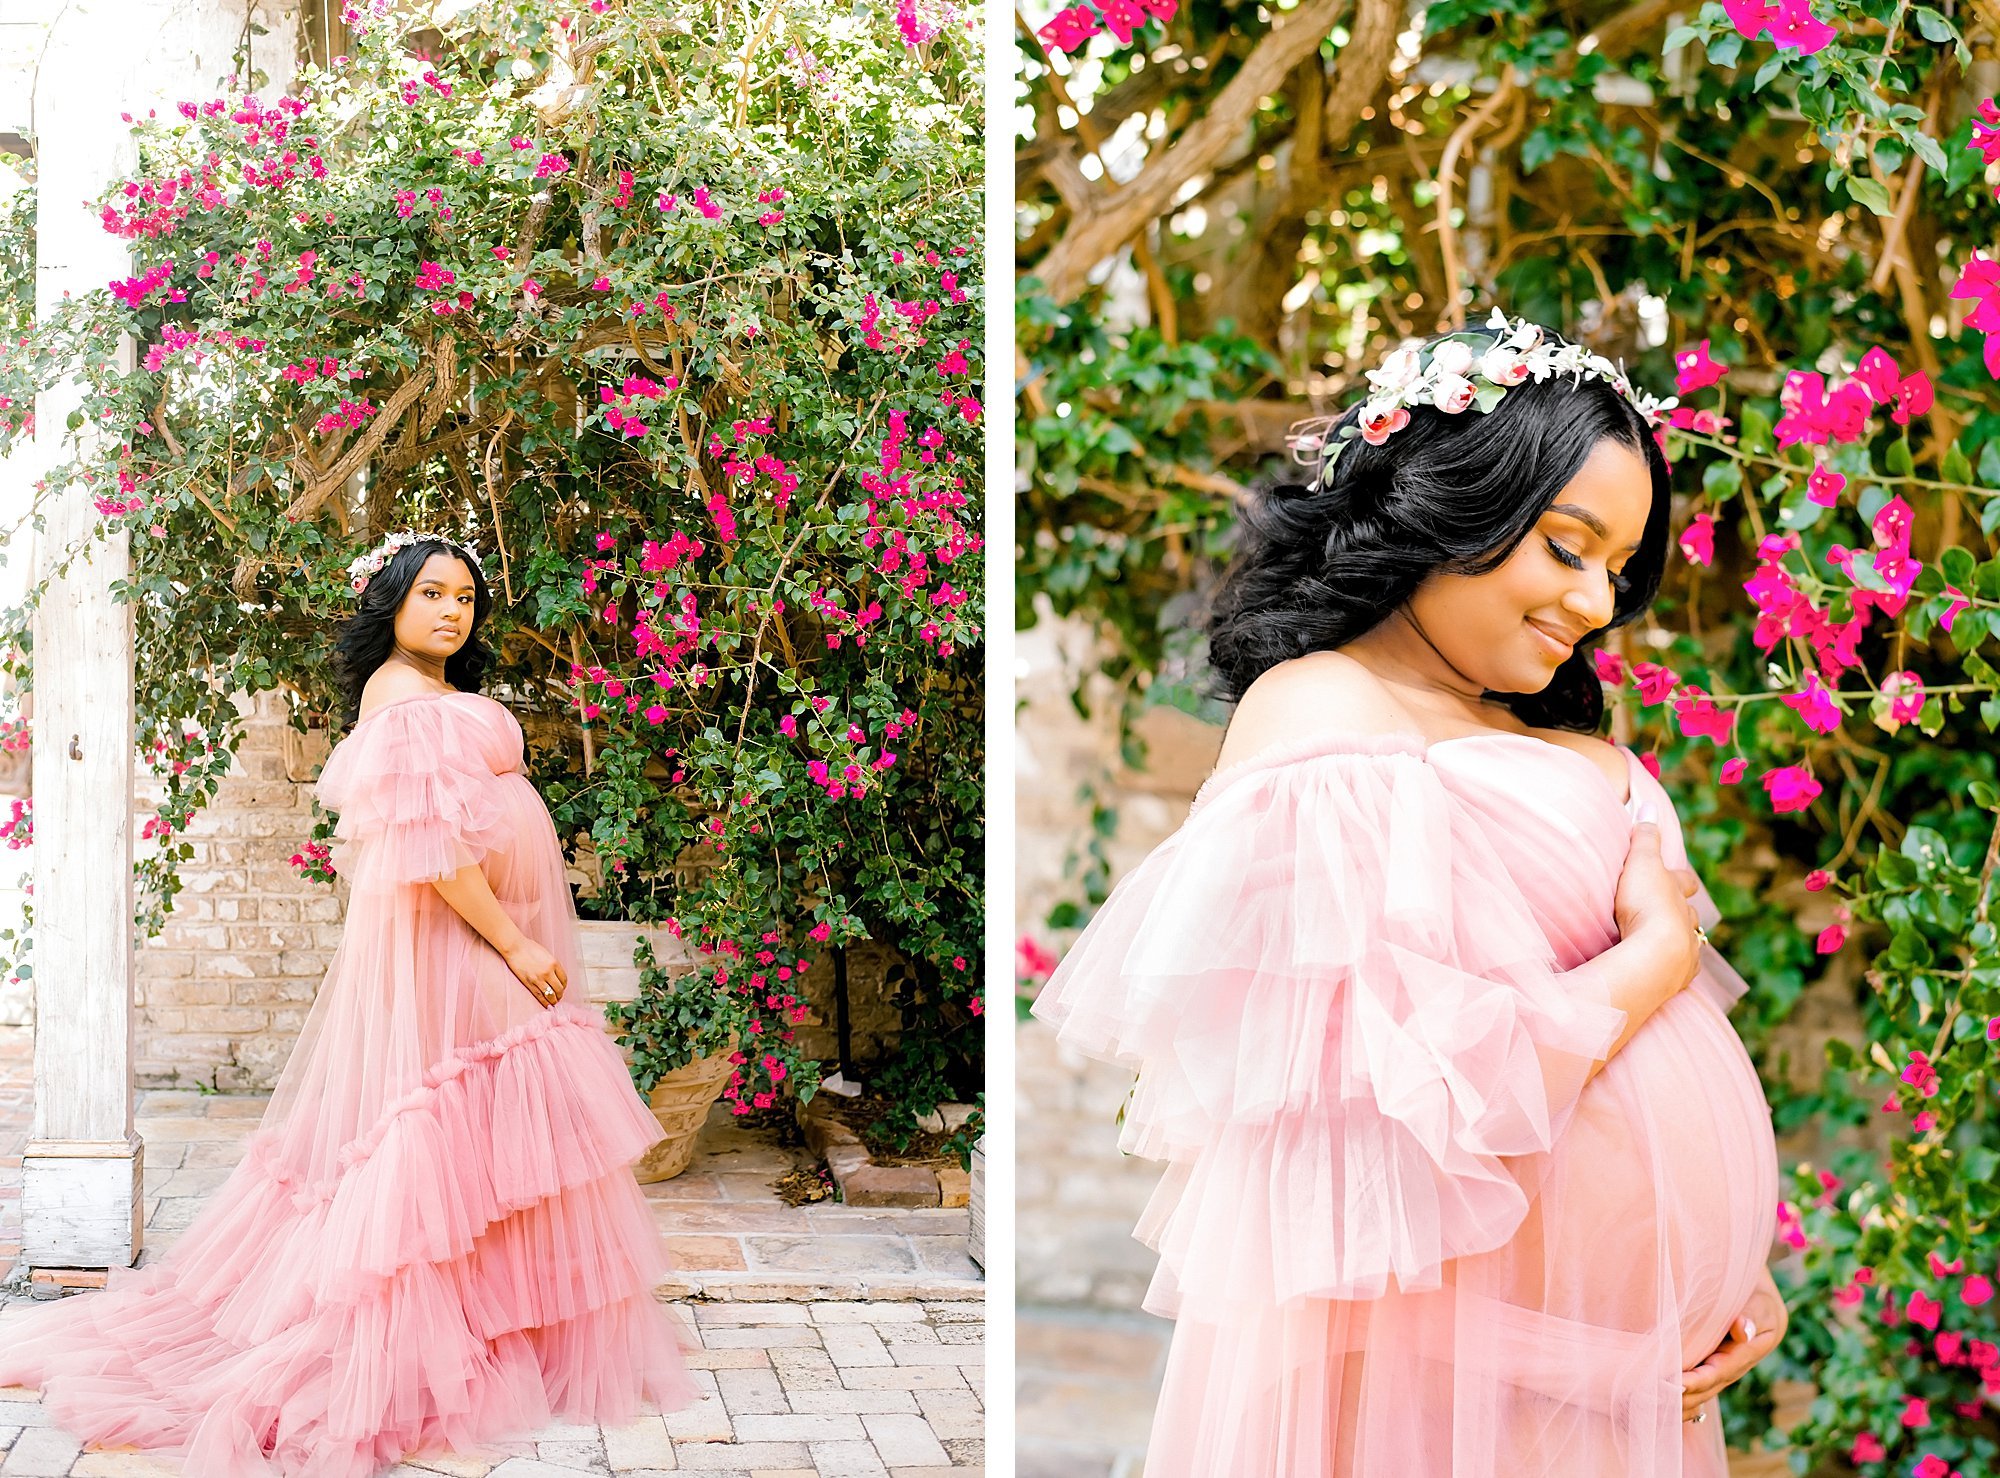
(436, 616)
(1510, 629)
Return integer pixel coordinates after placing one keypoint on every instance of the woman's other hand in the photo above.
(1757, 1331)
(539, 970)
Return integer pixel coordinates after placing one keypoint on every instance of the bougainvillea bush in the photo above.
(674, 311)
(1785, 215)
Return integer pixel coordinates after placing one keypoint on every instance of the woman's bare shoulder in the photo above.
(391, 683)
(1317, 693)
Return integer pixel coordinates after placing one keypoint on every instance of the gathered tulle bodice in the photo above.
(1402, 1226)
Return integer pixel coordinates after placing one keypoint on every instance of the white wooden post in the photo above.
(82, 1204)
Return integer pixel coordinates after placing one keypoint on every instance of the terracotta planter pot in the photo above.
(681, 1101)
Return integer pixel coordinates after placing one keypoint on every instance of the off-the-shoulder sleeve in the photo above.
(1351, 1035)
(415, 797)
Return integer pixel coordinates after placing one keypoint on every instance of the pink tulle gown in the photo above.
(1399, 1233)
(434, 1238)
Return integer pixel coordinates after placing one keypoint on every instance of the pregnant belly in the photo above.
(1671, 1160)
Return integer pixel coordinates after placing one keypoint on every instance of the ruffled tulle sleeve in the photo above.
(1352, 1040)
(415, 797)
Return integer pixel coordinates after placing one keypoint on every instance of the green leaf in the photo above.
(1871, 193)
(1678, 37)
(1933, 26)
(1928, 151)
(1897, 459)
(1957, 467)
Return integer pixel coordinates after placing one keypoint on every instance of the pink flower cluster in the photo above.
(1791, 23)
(1979, 281)
(134, 291)
(618, 403)
(1816, 416)
(1073, 26)
(159, 206)
(844, 623)
(1985, 139)
(348, 415)
(770, 197)
(307, 370)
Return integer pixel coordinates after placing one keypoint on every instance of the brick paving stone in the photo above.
(848, 1460)
(40, 1452)
(904, 1441)
(752, 1392)
(792, 1427)
(854, 1403)
(704, 1457)
(806, 1370)
(907, 1378)
(758, 1336)
(951, 1413)
(530, 1467)
(124, 1465)
(754, 1313)
(582, 1456)
(870, 1313)
(856, 1344)
(640, 1444)
(705, 1421)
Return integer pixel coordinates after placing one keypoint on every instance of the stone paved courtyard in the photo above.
(836, 1341)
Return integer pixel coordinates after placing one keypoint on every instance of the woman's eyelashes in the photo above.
(1575, 562)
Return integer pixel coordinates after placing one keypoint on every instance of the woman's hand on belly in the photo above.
(1732, 1359)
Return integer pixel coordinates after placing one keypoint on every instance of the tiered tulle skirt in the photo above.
(482, 1263)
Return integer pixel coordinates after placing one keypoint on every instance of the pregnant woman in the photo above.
(1469, 1175)
(434, 1239)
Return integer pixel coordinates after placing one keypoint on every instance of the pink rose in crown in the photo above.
(1378, 423)
(1453, 392)
(1503, 366)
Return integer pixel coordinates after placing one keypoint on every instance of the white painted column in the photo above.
(82, 1203)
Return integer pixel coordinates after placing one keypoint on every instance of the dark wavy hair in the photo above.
(1315, 567)
(366, 638)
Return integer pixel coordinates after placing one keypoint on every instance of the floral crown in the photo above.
(1474, 368)
(364, 569)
